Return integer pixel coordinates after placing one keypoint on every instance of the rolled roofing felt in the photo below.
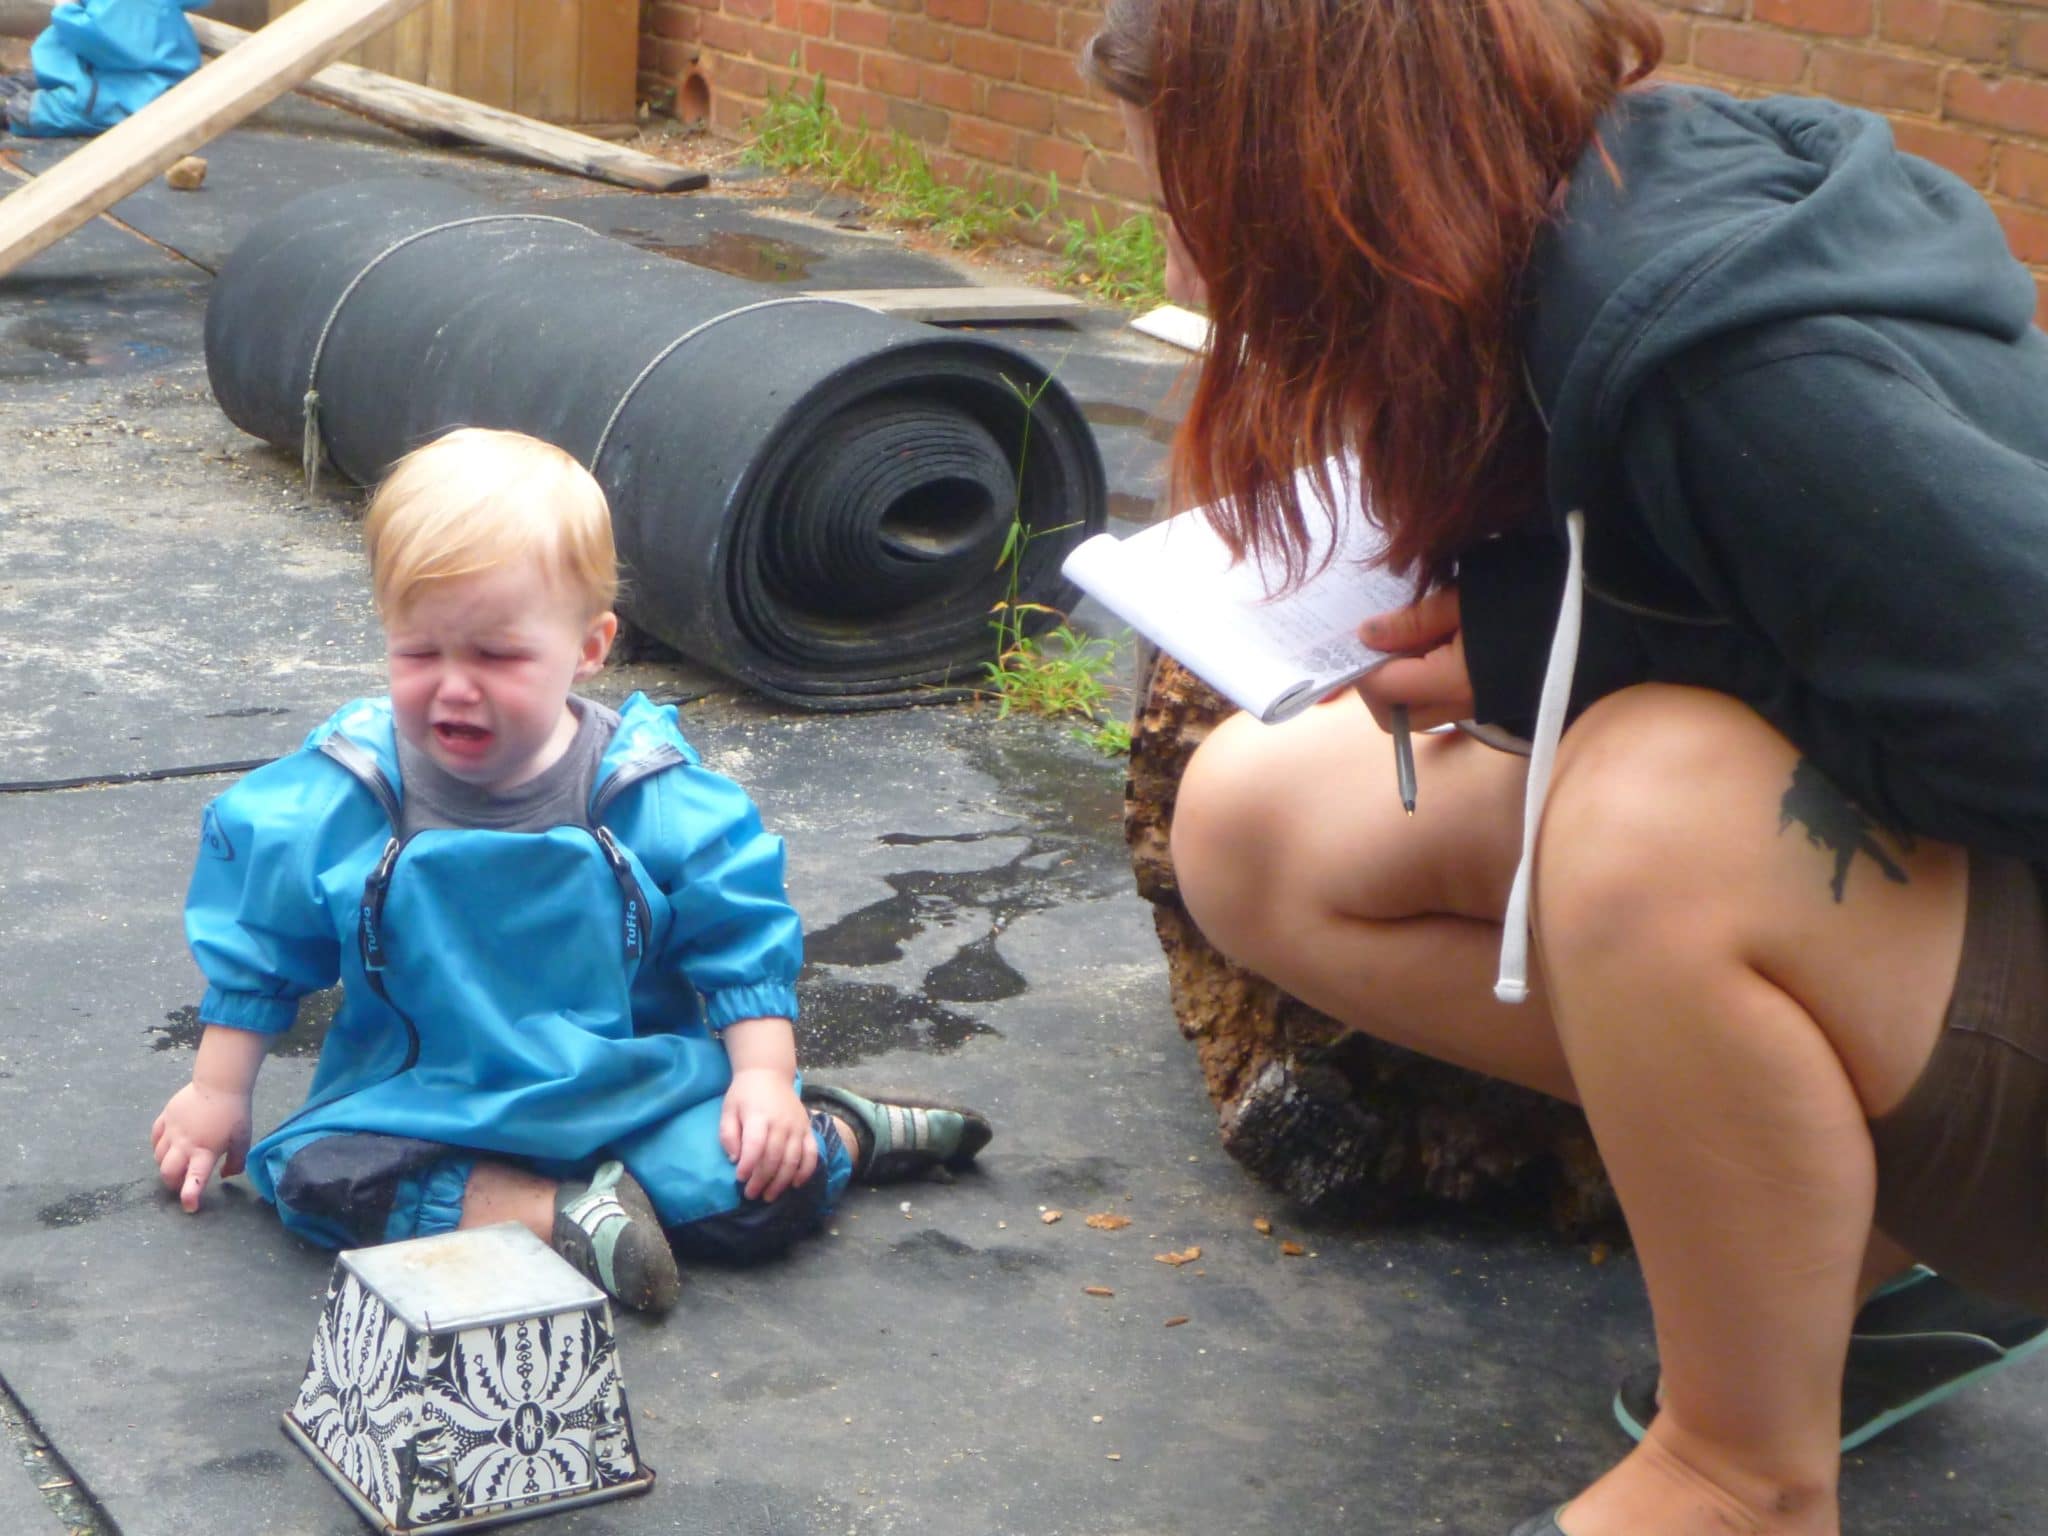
(808, 497)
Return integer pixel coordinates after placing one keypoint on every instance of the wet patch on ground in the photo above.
(91, 1204)
(759, 258)
(182, 1027)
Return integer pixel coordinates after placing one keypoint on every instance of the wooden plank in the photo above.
(484, 51)
(441, 51)
(424, 110)
(547, 39)
(608, 62)
(410, 40)
(98, 174)
(1177, 327)
(942, 306)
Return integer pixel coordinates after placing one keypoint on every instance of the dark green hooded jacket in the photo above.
(1792, 380)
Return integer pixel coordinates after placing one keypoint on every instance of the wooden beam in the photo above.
(421, 109)
(98, 174)
(943, 306)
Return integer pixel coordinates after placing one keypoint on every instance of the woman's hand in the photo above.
(1430, 676)
(766, 1131)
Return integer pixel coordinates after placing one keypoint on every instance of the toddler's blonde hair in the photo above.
(478, 499)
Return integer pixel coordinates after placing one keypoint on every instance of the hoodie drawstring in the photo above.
(1513, 983)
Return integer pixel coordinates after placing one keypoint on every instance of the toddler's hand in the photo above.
(201, 1129)
(766, 1131)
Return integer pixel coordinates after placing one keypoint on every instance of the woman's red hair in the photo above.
(1359, 184)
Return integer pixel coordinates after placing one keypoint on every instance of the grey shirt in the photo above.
(558, 796)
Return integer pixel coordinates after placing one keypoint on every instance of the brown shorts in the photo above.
(1962, 1162)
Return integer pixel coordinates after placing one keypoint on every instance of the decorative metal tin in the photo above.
(463, 1380)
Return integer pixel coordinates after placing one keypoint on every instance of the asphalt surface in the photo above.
(172, 604)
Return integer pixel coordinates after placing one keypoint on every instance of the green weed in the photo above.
(1056, 673)
(802, 132)
(1121, 264)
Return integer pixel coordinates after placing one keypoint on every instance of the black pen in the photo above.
(1404, 759)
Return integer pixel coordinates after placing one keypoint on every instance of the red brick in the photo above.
(737, 77)
(864, 109)
(1096, 127)
(732, 114)
(1076, 27)
(725, 33)
(1032, 20)
(814, 18)
(1748, 54)
(1019, 108)
(862, 29)
(984, 140)
(984, 55)
(1119, 176)
(774, 48)
(888, 74)
(961, 13)
(1916, 23)
(1974, 32)
(2030, 46)
(2020, 106)
(1056, 157)
(914, 120)
(1050, 69)
(1704, 7)
(785, 13)
(1836, 18)
(953, 89)
(1677, 32)
(2026, 231)
(673, 58)
(832, 61)
(1967, 154)
(920, 39)
(753, 10)
(2023, 174)
(1877, 79)
(907, 7)
(675, 21)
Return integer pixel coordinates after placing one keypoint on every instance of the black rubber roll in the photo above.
(809, 497)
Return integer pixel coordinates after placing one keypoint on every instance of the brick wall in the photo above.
(989, 87)
(1965, 84)
(986, 87)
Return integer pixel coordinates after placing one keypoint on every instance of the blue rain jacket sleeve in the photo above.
(100, 61)
(735, 938)
(257, 915)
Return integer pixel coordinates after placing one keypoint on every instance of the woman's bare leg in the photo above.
(1294, 857)
(1743, 973)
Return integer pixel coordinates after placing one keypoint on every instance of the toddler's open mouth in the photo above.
(460, 738)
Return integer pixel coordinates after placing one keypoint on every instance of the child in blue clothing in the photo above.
(568, 964)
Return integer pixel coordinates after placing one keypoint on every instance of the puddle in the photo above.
(1108, 413)
(977, 974)
(181, 1028)
(925, 839)
(49, 338)
(840, 1022)
(759, 257)
(91, 1204)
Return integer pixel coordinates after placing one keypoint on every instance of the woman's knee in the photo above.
(1643, 836)
(1228, 831)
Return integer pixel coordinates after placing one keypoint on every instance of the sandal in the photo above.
(900, 1139)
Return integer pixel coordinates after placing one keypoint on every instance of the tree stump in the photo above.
(1334, 1120)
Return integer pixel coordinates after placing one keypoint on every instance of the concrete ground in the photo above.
(172, 604)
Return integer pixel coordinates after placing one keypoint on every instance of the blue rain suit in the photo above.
(99, 61)
(549, 996)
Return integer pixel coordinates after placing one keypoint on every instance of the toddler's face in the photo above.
(481, 668)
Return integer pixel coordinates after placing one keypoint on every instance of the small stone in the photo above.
(1113, 1456)
(1096, 1290)
(1051, 1216)
(1293, 1250)
(187, 175)
(1108, 1221)
(1262, 1225)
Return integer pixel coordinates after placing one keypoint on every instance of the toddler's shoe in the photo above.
(608, 1230)
(900, 1140)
